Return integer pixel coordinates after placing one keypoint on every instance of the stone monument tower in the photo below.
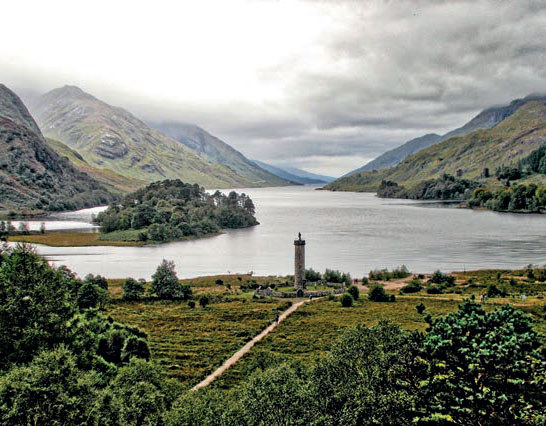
(299, 262)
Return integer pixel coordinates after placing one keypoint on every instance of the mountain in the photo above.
(218, 152)
(484, 120)
(32, 175)
(295, 175)
(114, 182)
(394, 156)
(111, 138)
(515, 137)
(306, 174)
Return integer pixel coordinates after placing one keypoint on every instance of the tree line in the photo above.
(172, 209)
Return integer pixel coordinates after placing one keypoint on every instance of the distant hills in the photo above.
(32, 175)
(484, 120)
(218, 152)
(296, 175)
(520, 129)
(111, 138)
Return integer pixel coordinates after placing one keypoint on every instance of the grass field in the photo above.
(191, 343)
(70, 239)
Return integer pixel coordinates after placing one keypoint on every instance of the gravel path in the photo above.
(246, 348)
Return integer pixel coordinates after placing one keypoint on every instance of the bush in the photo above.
(377, 294)
(191, 304)
(219, 282)
(365, 281)
(354, 292)
(414, 286)
(312, 276)
(133, 289)
(392, 298)
(494, 291)
(346, 300)
(204, 301)
(441, 278)
(434, 289)
(420, 308)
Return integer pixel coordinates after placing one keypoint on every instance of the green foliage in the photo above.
(204, 301)
(420, 308)
(441, 278)
(347, 300)
(520, 198)
(171, 210)
(50, 390)
(191, 304)
(335, 276)
(138, 395)
(165, 284)
(354, 292)
(91, 296)
(312, 276)
(446, 187)
(369, 377)
(386, 275)
(35, 305)
(414, 286)
(133, 289)
(494, 291)
(483, 366)
(378, 294)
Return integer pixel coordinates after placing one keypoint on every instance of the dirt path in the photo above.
(246, 348)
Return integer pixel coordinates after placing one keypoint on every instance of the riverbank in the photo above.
(92, 239)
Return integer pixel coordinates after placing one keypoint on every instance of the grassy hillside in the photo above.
(32, 175)
(218, 152)
(486, 119)
(113, 181)
(511, 140)
(111, 138)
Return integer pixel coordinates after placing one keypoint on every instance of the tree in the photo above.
(35, 305)
(165, 283)
(50, 390)
(378, 294)
(91, 295)
(133, 289)
(484, 367)
(98, 280)
(346, 300)
(204, 301)
(414, 286)
(353, 291)
(370, 377)
(276, 396)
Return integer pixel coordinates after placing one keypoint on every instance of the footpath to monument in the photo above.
(246, 348)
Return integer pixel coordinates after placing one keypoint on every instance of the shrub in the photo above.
(346, 300)
(191, 304)
(392, 298)
(312, 276)
(204, 301)
(420, 308)
(441, 278)
(219, 282)
(377, 294)
(354, 292)
(133, 289)
(414, 286)
(365, 281)
(494, 291)
(434, 289)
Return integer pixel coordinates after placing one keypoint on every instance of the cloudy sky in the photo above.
(322, 85)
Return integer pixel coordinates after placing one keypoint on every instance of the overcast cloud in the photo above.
(322, 85)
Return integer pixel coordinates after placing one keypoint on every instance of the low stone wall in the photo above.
(291, 295)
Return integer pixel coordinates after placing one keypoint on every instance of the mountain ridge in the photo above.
(34, 176)
(110, 137)
(485, 119)
(464, 156)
